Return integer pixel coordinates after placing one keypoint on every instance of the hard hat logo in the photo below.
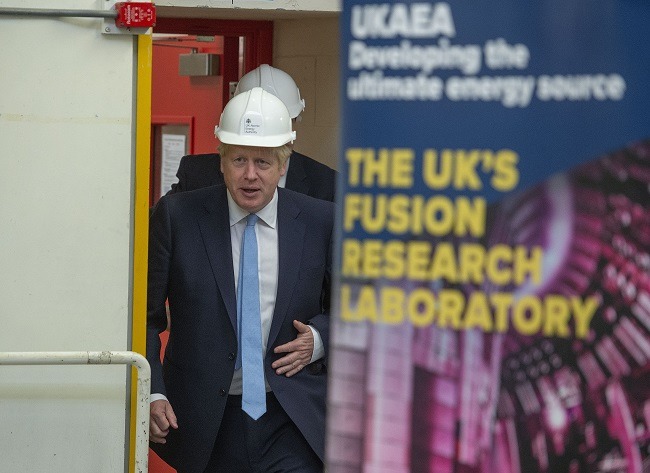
(252, 125)
(255, 118)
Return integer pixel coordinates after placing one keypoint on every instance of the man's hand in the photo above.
(161, 418)
(298, 351)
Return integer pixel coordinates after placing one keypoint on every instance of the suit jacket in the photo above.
(305, 175)
(190, 264)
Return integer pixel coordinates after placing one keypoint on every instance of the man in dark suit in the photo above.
(199, 417)
(304, 174)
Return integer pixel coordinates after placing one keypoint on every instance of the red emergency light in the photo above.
(135, 15)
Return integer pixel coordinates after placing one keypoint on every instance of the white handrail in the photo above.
(102, 358)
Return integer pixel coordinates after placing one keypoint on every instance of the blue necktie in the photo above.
(250, 330)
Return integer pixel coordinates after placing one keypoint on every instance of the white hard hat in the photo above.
(276, 81)
(255, 118)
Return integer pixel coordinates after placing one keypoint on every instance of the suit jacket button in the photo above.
(231, 356)
(222, 392)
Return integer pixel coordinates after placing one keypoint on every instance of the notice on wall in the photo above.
(492, 309)
(173, 149)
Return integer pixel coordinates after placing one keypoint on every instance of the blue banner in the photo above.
(493, 283)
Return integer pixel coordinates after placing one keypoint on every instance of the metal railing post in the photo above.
(102, 358)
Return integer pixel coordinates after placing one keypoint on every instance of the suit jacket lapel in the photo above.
(291, 234)
(215, 231)
(296, 175)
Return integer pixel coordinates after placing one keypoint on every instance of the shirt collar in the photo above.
(268, 214)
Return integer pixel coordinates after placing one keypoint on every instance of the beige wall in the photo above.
(66, 233)
(308, 49)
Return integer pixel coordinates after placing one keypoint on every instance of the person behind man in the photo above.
(205, 401)
(304, 174)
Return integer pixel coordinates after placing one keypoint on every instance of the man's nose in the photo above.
(250, 171)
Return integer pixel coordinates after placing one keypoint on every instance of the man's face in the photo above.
(251, 175)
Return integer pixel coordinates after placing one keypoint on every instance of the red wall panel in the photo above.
(199, 97)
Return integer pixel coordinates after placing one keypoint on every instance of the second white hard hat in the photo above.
(255, 118)
(276, 81)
